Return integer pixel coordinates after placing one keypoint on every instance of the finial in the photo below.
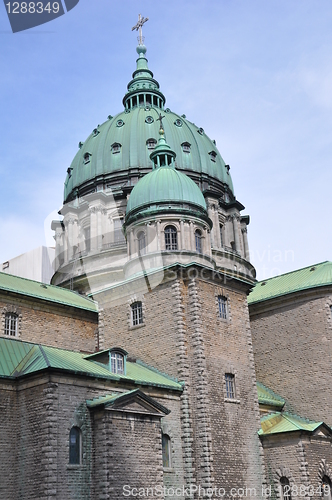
(138, 27)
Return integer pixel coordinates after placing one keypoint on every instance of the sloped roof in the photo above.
(276, 423)
(49, 293)
(267, 397)
(19, 359)
(315, 276)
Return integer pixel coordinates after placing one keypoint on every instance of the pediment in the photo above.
(135, 401)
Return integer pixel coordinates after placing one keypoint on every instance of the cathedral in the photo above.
(155, 365)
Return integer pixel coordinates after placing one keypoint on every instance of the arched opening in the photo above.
(167, 450)
(285, 488)
(141, 243)
(198, 241)
(75, 446)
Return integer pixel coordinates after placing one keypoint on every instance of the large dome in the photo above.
(118, 151)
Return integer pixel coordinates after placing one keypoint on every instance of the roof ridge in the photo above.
(48, 364)
(295, 271)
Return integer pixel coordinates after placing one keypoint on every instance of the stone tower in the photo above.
(152, 231)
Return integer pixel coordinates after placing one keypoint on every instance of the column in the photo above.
(160, 245)
(93, 229)
(236, 220)
(245, 243)
(211, 216)
(183, 244)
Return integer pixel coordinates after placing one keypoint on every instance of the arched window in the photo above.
(11, 324)
(222, 306)
(285, 488)
(167, 451)
(198, 241)
(117, 362)
(171, 239)
(136, 313)
(75, 446)
(141, 243)
(326, 488)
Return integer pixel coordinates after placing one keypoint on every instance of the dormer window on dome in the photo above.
(186, 147)
(151, 143)
(86, 158)
(116, 148)
(213, 155)
(114, 359)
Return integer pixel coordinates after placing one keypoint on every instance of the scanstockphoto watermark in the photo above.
(24, 15)
(188, 492)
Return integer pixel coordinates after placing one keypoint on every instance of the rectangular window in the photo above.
(136, 314)
(222, 305)
(118, 233)
(221, 238)
(230, 385)
(11, 321)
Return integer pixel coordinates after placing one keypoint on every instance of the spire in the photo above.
(162, 155)
(143, 89)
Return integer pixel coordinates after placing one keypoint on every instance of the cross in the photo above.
(160, 119)
(138, 27)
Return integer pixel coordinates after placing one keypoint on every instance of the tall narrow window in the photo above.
(141, 243)
(326, 488)
(117, 362)
(11, 323)
(221, 236)
(230, 385)
(198, 241)
(166, 446)
(171, 240)
(75, 446)
(222, 306)
(285, 488)
(136, 313)
(118, 234)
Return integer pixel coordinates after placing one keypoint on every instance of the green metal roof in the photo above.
(131, 129)
(309, 277)
(50, 293)
(19, 358)
(267, 397)
(276, 423)
(163, 187)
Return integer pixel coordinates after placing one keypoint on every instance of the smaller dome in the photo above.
(165, 188)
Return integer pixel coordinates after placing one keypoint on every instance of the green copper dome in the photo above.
(164, 189)
(117, 153)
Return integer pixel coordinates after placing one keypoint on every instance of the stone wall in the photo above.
(303, 459)
(51, 324)
(292, 349)
(183, 336)
(127, 454)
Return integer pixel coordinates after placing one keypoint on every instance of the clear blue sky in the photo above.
(255, 74)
